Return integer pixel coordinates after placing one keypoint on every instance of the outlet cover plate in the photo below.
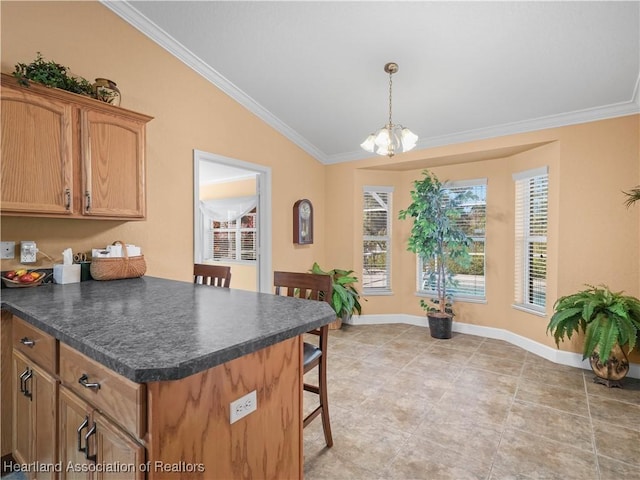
(243, 406)
(7, 250)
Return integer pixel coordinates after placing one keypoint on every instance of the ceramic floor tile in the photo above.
(560, 398)
(524, 453)
(551, 375)
(614, 412)
(615, 470)
(551, 424)
(625, 447)
(422, 459)
(486, 381)
(492, 363)
(502, 351)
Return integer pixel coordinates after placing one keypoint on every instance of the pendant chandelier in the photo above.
(390, 139)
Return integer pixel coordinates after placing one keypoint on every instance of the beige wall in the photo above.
(593, 238)
(243, 275)
(189, 113)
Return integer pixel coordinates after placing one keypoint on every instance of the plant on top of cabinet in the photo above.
(52, 74)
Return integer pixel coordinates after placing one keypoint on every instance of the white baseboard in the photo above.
(554, 355)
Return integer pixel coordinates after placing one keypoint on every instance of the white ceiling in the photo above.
(468, 70)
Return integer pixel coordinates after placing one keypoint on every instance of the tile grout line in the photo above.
(593, 433)
(504, 426)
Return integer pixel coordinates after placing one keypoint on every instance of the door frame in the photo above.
(263, 190)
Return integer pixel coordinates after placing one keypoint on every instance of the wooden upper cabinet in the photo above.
(68, 155)
(113, 165)
(37, 157)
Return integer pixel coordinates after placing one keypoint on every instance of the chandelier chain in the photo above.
(390, 87)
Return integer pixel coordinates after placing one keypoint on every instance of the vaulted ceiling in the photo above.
(467, 70)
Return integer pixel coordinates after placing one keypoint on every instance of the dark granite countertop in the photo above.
(151, 329)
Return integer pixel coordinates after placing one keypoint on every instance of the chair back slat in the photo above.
(214, 275)
(309, 286)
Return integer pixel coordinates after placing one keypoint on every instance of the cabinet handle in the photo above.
(67, 195)
(87, 194)
(82, 426)
(91, 431)
(26, 392)
(22, 385)
(27, 342)
(83, 380)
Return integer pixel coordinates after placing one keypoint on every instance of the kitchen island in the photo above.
(180, 354)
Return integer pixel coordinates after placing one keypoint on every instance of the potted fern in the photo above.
(610, 322)
(345, 299)
(441, 242)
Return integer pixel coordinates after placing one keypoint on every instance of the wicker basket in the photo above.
(117, 268)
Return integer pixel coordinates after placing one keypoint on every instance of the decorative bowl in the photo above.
(10, 283)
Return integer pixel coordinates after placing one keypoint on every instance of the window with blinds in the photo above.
(376, 239)
(234, 240)
(468, 282)
(531, 211)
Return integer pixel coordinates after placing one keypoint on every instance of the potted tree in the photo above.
(345, 299)
(610, 322)
(441, 242)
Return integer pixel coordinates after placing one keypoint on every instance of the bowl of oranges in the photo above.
(23, 278)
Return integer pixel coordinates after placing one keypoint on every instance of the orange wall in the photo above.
(592, 237)
(189, 113)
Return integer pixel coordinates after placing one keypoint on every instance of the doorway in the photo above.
(232, 200)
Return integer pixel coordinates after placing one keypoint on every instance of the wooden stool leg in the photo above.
(324, 402)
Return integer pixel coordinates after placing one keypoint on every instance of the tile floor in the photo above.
(406, 406)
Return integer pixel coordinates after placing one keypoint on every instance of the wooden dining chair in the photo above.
(312, 287)
(214, 275)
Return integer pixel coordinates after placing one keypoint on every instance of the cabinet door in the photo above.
(75, 420)
(37, 163)
(113, 164)
(114, 447)
(35, 415)
(44, 405)
(21, 441)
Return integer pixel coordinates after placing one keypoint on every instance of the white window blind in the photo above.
(472, 219)
(233, 239)
(531, 212)
(376, 237)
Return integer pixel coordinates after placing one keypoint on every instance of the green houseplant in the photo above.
(633, 196)
(441, 242)
(609, 320)
(52, 74)
(345, 299)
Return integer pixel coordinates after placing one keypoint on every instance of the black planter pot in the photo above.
(440, 325)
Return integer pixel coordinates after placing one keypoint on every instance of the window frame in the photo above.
(237, 230)
(524, 239)
(481, 298)
(386, 289)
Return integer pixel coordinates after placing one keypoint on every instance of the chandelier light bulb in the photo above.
(390, 139)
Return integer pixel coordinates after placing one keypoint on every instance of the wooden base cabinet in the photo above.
(35, 416)
(93, 447)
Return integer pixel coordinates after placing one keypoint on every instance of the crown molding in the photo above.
(132, 16)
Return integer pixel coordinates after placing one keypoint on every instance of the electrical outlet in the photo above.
(28, 251)
(243, 406)
(7, 250)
